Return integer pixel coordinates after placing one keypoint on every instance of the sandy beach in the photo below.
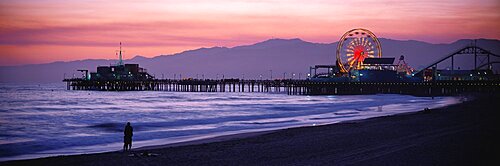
(462, 134)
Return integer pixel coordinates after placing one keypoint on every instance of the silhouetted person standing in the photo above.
(127, 139)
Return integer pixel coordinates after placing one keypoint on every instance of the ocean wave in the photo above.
(112, 127)
(51, 121)
(268, 122)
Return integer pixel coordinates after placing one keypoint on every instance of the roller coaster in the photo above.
(359, 59)
(359, 69)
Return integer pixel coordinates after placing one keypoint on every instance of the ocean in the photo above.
(40, 120)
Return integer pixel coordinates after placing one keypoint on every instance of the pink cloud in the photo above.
(61, 28)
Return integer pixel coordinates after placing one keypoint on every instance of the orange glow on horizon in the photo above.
(40, 31)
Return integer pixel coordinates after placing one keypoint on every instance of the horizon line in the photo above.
(228, 47)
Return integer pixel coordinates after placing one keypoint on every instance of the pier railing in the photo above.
(289, 86)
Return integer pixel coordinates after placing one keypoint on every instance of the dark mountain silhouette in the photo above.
(282, 56)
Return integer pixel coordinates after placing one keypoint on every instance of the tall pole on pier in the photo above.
(271, 74)
(120, 60)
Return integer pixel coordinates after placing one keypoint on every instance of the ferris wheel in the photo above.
(354, 46)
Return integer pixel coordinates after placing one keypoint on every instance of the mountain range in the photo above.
(277, 57)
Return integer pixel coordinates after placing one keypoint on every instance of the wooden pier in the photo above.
(291, 87)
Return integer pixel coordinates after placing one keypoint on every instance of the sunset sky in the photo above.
(40, 31)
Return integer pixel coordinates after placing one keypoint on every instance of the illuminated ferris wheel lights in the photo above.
(351, 62)
(354, 46)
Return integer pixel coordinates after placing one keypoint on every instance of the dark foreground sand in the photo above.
(463, 134)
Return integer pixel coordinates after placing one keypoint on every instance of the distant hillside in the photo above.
(250, 61)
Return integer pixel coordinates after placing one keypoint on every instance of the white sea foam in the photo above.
(48, 120)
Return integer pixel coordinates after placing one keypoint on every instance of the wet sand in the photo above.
(462, 134)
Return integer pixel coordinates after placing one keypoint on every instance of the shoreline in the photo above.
(329, 116)
(224, 144)
(221, 138)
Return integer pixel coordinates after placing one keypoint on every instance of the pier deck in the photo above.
(291, 87)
